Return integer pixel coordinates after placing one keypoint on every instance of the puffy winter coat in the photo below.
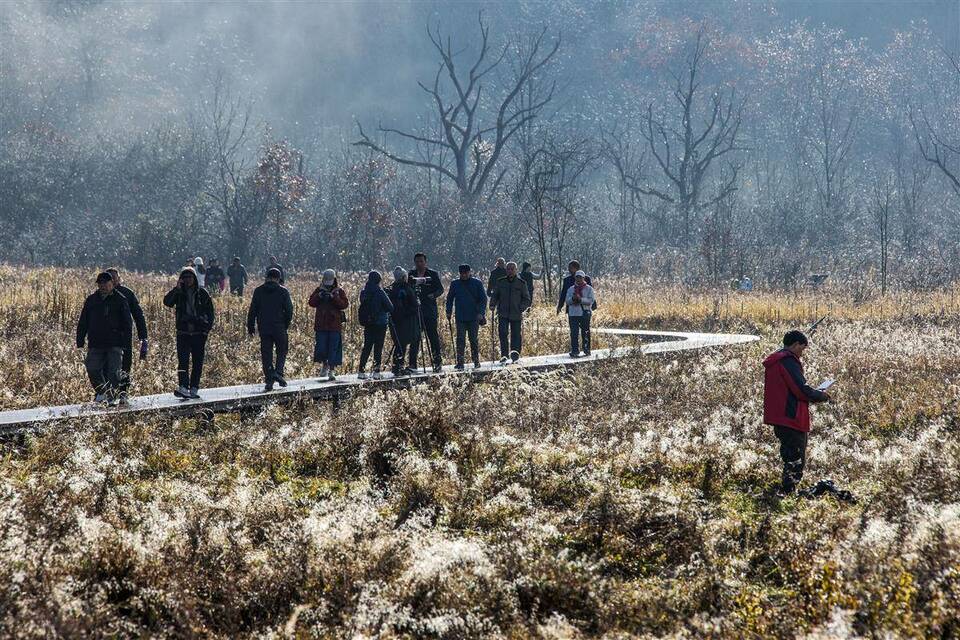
(271, 310)
(193, 321)
(329, 303)
(786, 394)
(104, 321)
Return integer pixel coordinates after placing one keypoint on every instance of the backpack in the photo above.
(365, 311)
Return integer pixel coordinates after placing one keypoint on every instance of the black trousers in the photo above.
(126, 364)
(190, 347)
(103, 368)
(793, 452)
(432, 329)
(268, 344)
(373, 338)
(580, 333)
(406, 338)
(513, 329)
(465, 330)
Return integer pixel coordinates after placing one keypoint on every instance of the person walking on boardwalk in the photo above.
(194, 319)
(271, 312)
(373, 314)
(330, 301)
(215, 277)
(510, 299)
(786, 406)
(499, 271)
(580, 299)
(429, 288)
(468, 298)
(140, 321)
(568, 282)
(406, 326)
(238, 277)
(104, 326)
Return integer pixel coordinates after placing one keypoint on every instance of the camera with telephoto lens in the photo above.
(417, 280)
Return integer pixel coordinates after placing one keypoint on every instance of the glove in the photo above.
(143, 349)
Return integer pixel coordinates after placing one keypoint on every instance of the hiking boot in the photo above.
(113, 401)
(504, 360)
(361, 376)
(194, 393)
(573, 355)
(279, 379)
(331, 376)
(476, 364)
(100, 397)
(586, 354)
(324, 370)
(269, 385)
(438, 368)
(515, 356)
(376, 375)
(123, 399)
(458, 367)
(182, 392)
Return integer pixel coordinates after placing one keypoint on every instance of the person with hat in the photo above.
(568, 282)
(194, 321)
(271, 312)
(136, 311)
(373, 314)
(786, 406)
(105, 327)
(201, 272)
(579, 302)
(511, 299)
(279, 267)
(469, 299)
(237, 274)
(406, 326)
(330, 301)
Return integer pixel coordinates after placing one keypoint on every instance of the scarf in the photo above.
(578, 290)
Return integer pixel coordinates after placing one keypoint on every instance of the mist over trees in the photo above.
(695, 141)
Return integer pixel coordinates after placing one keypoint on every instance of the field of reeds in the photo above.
(630, 498)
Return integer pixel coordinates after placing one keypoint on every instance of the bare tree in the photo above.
(471, 141)
(882, 202)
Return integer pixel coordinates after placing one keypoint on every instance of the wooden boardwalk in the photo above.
(251, 396)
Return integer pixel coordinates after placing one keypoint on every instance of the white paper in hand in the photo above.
(826, 384)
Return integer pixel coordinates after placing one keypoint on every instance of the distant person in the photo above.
(568, 281)
(271, 312)
(104, 326)
(429, 288)
(469, 299)
(786, 406)
(194, 320)
(511, 300)
(499, 271)
(238, 277)
(406, 327)
(580, 299)
(746, 284)
(201, 272)
(528, 276)
(136, 311)
(279, 267)
(330, 301)
(215, 277)
(373, 314)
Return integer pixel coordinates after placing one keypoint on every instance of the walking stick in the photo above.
(493, 343)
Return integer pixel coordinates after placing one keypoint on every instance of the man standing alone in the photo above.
(104, 326)
(271, 311)
(238, 277)
(136, 311)
(786, 406)
(470, 299)
(511, 299)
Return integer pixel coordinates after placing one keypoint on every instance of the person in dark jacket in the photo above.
(238, 277)
(374, 313)
(194, 319)
(511, 300)
(136, 311)
(215, 277)
(104, 326)
(499, 271)
(406, 326)
(528, 276)
(468, 297)
(330, 300)
(271, 312)
(568, 282)
(279, 267)
(786, 406)
(429, 288)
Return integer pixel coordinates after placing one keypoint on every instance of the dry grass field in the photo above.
(631, 498)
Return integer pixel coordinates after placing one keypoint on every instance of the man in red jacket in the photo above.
(786, 406)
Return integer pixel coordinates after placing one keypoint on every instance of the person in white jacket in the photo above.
(201, 272)
(580, 299)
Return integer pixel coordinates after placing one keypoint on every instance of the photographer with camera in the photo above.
(510, 299)
(470, 299)
(330, 301)
(405, 320)
(429, 287)
(195, 317)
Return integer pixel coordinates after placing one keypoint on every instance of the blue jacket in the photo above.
(469, 298)
(380, 303)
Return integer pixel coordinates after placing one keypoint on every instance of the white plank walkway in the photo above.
(238, 397)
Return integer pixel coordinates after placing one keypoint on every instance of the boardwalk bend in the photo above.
(251, 396)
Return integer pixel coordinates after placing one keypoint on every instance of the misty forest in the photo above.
(715, 205)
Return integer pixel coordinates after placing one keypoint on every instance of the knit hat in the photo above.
(104, 277)
(399, 273)
(329, 275)
(198, 261)
(374, 277)
(579, 274)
